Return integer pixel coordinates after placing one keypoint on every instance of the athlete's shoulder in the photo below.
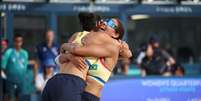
(74, 35)
(81, 32)
(102, 36)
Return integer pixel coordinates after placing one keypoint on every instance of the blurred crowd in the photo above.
(151, 60)
(22, 76)
(154, 60)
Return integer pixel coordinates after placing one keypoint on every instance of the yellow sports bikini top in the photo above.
(98, 71)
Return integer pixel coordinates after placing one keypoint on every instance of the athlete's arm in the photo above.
(72, 37)
(65, 58)
(125, 52)
(105, 50)
(97, 45)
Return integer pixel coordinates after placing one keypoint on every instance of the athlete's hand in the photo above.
(68, 47)
(79, 62)
(76, 60)
(64, 58)
(124, 50)
(124, 45)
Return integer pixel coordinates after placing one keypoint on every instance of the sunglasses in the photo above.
(111, 24)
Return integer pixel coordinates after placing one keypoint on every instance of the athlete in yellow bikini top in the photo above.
(98, 71)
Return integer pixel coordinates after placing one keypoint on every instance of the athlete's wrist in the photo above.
(72, 48)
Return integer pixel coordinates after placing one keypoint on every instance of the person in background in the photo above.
(153, 60)
(140, 54)
(14, 64)
(179, 71)
(4, 45)
(176, 70)
(47, 52)
(169, 49)
(122, 65)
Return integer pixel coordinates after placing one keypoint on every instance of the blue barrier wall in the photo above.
(153, 89)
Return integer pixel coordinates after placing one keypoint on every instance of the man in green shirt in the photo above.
(14, 64)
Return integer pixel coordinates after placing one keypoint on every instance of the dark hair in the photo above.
(120, 29)
(180, 67)
(17, 36)
(153, 39)
(88, 20)
(48, 29)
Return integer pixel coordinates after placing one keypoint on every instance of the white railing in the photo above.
(24, 0)
(116, 1)
(159, 1)
(191, 2)
(185, 2)
(96, 1)
(69, 1)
